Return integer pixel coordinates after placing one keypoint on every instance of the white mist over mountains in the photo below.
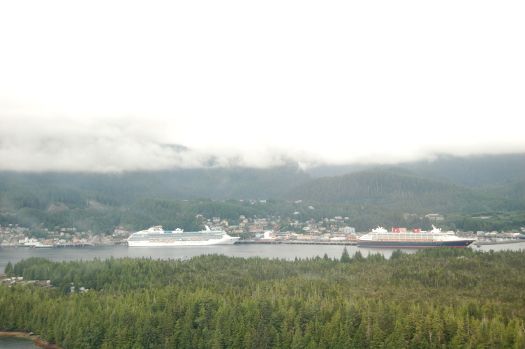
(130, 144)
(106, 87)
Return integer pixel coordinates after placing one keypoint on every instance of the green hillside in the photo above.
(472, 171)
(75, 189)
(173, 198)
(396, 189)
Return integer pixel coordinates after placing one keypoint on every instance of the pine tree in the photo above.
(9, 269)
(345, 257)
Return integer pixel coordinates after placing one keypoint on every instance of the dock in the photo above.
(296, 242)
(498, 242)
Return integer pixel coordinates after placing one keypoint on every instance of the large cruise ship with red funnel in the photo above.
(402, 238)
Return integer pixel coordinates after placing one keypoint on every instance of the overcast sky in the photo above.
(104, 86)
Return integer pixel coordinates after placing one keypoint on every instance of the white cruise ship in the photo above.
(400, 238)
(158, 237)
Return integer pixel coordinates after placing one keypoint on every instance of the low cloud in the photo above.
(139, 144)
(115, 145)
(257, 84)
(56, 144)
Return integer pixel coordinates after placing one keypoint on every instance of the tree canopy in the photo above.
(431, 299)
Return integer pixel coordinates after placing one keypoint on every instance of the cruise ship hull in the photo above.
(414, 244)
(156, 236)
(175, 243)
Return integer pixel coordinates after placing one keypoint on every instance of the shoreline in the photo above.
(39, 342)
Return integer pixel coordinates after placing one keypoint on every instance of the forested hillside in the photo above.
(442, 298)
(379, 195)
(39, 189)
(471, 171)
(396, 189)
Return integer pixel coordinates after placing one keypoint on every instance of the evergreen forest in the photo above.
(440, 298)
(461, 189)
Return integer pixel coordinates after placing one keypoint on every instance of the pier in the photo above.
(296, 242)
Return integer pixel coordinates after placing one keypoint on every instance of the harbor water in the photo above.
(16, 343)
(281, 251)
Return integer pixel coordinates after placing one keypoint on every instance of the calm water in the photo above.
(267, 251)
(16, 343)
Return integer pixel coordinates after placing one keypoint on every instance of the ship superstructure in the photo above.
(158, 237)
(401, 238)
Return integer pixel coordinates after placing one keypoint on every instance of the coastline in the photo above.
(39, 342)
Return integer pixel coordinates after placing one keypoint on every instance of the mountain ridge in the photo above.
(395, 188)
(379, 194)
